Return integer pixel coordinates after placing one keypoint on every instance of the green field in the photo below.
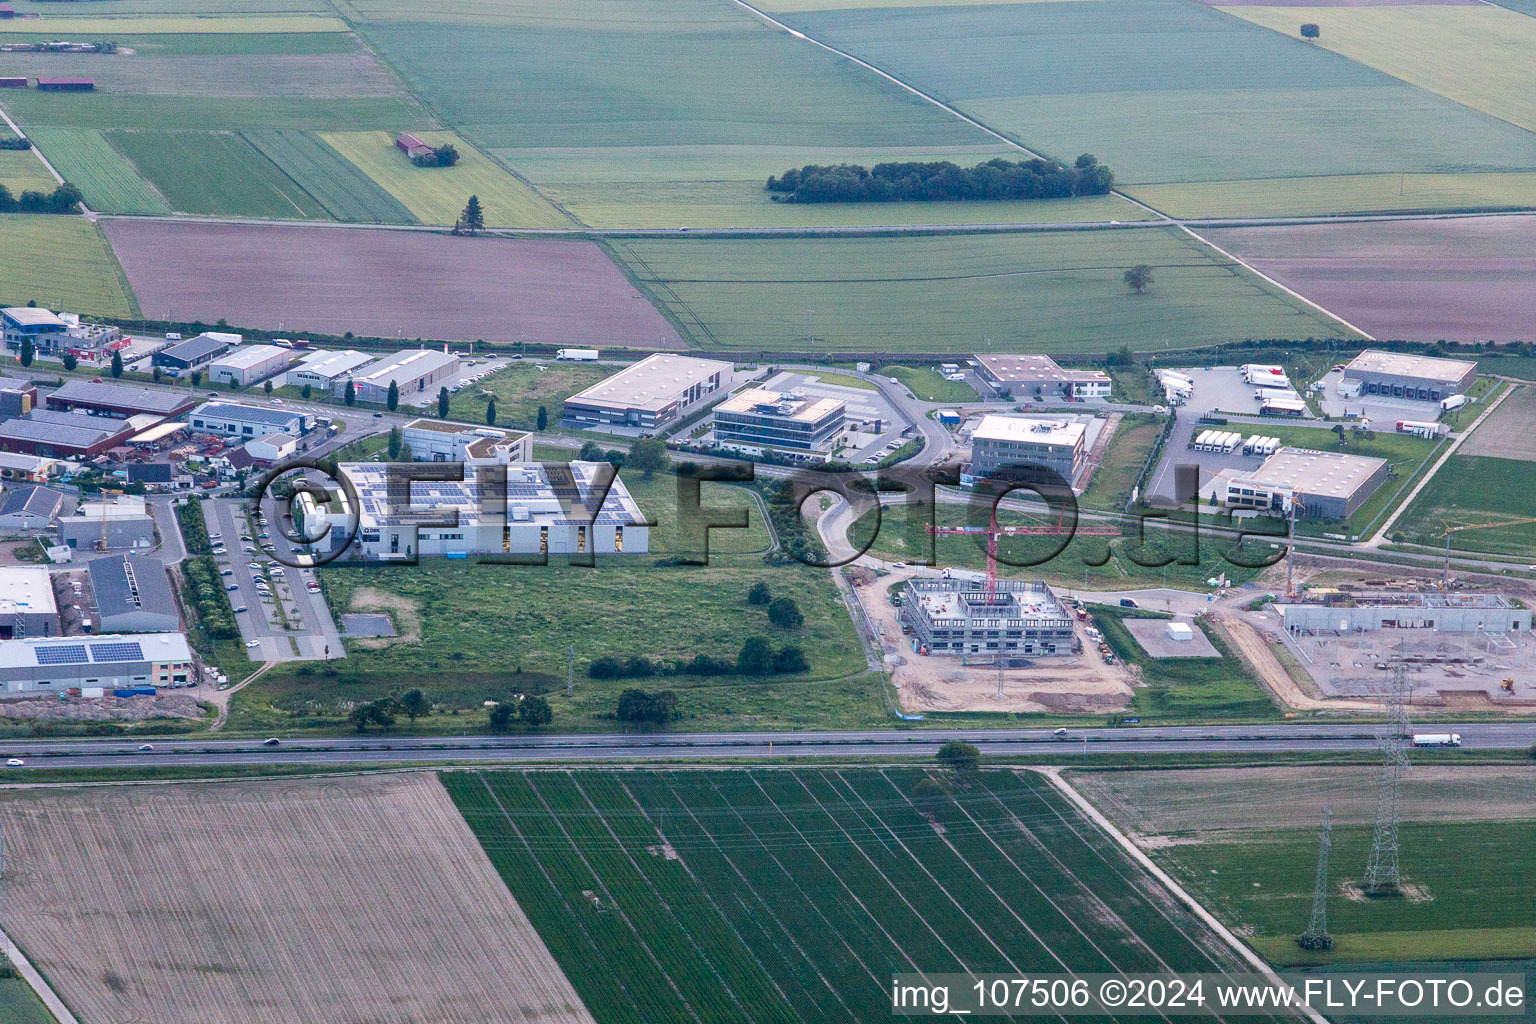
(928, 384)
(21, 170)
(215, 173)
(18, 1005)
(1472, 489)
(58, 27)
(1025, 292)
(521, 387)
(1350, 193)
(346, 192)
(1129, 448)
(795, 894)
(1477, 55)
(110, 183)
(61, 263)
(159, 44)
(207, 113)
(436, 195)
(1187, 689)
(463, 612)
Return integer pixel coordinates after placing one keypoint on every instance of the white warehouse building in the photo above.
(54, 665)
(445, 441)
(540, 511)
(328, 371)
(247, 421)
(412, 372)
(249, 365)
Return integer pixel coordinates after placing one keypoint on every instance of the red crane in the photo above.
(994, 531)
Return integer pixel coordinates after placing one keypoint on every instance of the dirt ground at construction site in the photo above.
(1081, 683)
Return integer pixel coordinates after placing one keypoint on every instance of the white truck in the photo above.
(1437, 739)
(577, 355)
(1454, 402)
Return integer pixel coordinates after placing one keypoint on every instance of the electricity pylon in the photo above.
(1316, 936)
(1381, 871)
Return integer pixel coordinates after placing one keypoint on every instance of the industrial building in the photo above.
(235, 420)
(1328, 485)
(1446, 613)
(27, 605)
(1023, 618)
(444, 441)
(133, 595)
(119, 400)
(57, 334)
(1405, 375)
(412, 372)
(540, 511)
(271, 448)
(777, 419)
(17, 397)
(328, 371)
(648, 394)
(124, 523)
(195, 352)
(1017, 447)
(63, 435)
(33, 666)
(31, 468)
(30, 508)
(249, 365)
(1023, 376)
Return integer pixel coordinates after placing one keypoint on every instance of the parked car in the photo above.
(1126, 602)
(232, 587)
(238, 610)
(227, 572)
(252, 643)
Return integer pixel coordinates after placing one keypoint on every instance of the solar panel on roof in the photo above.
(125, 651)
(62, 654)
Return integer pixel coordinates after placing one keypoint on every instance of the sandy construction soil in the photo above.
(1464, 280)
(1506, 433)
(412, 284)
(344, 901)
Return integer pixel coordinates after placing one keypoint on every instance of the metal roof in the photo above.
(71, 429)
(405, 366)
(530, 494)
(251, 355)
(40, 501)
(124, 584)
(1407, 364)
(1324, 474)
(195, 348)
(1034, 368)
(651, 384)
(34, 316)
(246, 413)
(331, 365)
(123, 396)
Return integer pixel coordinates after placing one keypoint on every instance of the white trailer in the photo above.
(1255, 372)
(1254, 445)
(1420, 428)
(1437, 739)
(577, 355)
(1454, 402)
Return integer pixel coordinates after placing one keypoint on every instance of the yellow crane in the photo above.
(1445, 582)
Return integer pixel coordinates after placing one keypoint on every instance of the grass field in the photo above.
(637, 605)
(436, 195)
(18, 1004)
(272, 24)
(109, 182)
(315, 898)
(1188, 689)
(1213, 100)
(246, 44)
(1477, 55)
(20, 169)
(1472, 489)
(345, 191)
(795, 894)
(1352, 193)
(215, 173)
(208, 113)
(61, 263)
(520, 388)
(1129, 448)
(928, 384)
(971, 293)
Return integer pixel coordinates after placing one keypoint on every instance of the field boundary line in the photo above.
(1093, 814)
(1381, 534)
(35, 980)
(1265, 277)
(15, 128)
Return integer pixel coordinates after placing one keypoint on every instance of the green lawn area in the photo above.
(992, 292)
(658, 499)
(1341, 193)
(520, 388)
(845, 380)
(486, 631)
(61, 263)
(928, 384)
(1472, 489)
(18, 1005)
(1129, 448)
(216, 173)
(1520, 367)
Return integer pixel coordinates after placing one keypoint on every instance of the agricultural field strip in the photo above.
(142, 24)
(882, 857)
(109, 181)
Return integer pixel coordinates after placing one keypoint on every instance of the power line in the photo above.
(1382, 877)
(1316, 936)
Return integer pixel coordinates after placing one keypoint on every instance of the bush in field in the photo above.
(959, 756)
(639, 707)
(785, 613)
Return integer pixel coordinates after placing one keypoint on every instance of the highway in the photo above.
(756, 746)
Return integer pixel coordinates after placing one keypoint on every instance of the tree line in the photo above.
(941, 181)
(63, 199)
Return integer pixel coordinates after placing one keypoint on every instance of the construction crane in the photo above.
(993, 531)
(1445, 580)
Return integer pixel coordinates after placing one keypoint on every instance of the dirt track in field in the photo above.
(348, 901)
(385, 283)
(1472, 279)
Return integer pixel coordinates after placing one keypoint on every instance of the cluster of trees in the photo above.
(639, 707)
(63, 199)
(532, 711)
(942, 181)
(438, 156)
(15, 143)
(194, 529)
(206, 589)
(648, 455)
(783, 612)
(757, 657)
(797, 541)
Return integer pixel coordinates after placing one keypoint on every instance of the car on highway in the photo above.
(145, 748)
(213, 394)
(271, 741)
(252, 643)
(378, 415)
(14, 762)
(1060, 734)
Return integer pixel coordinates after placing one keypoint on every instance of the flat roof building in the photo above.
(123, 523)
(58, 334)
(17, 397)
(27, 604)
(1405, 375)
(133, 595)
(235, 420)
(445, 441)
(412, 372)
(32, 468)
(33, 666)
(249, 365)
(778, 419)
(326, 370)
(1024, 375)
(121, 400)
(540, 510)
(1447, 613)
(1327, 485)
(1024, 619)
(650, 393)
(195, 352)
(1016, 447)
(63, 435)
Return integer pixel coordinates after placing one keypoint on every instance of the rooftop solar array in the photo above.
(126, 650)
(62, 654)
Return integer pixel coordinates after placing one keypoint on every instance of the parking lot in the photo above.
(469, 376)
(1222, 389)
(282, 618)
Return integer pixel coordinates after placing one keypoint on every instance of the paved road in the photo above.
(724, 746)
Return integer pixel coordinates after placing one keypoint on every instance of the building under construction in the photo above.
(1357, 611)
(1020, 619)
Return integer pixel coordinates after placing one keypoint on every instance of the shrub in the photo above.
(785, 613)
(759, 594)
(641, 708)
(790, 659)
(756, 657)
(959, 755)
